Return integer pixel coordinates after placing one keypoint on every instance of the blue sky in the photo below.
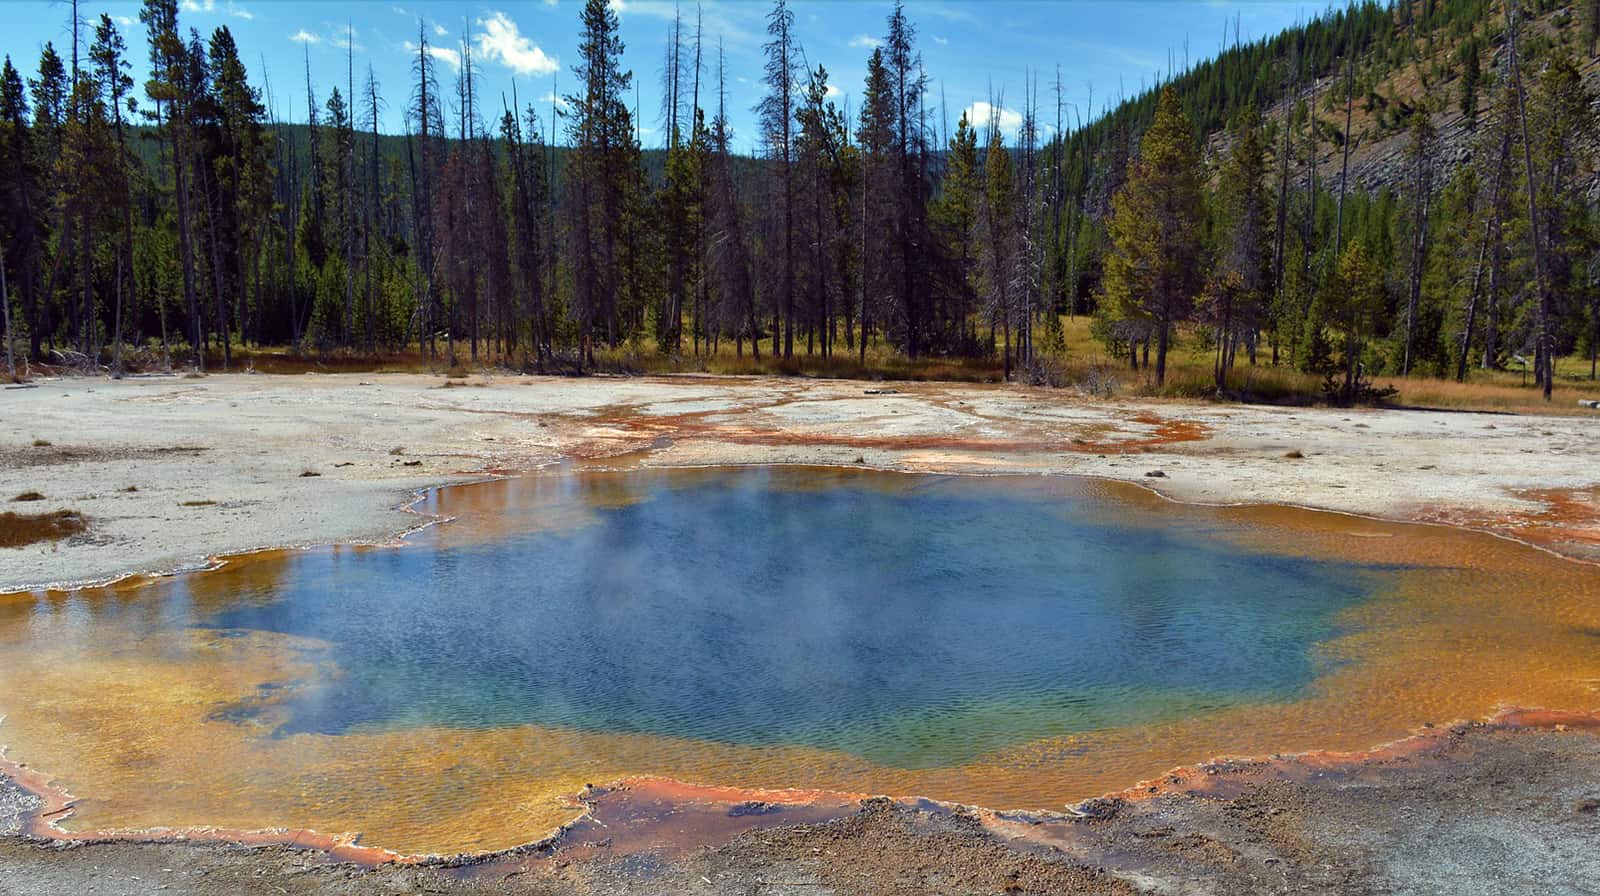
(971, 50)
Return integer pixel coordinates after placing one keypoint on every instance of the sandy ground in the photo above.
(174, 471)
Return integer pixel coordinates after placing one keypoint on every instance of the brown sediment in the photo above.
(673, 818)
(1226, 777)
(48, 454)
(18, 529)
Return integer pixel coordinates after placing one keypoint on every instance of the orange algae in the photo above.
(623, 429)
(1557, 518)
(126, 716)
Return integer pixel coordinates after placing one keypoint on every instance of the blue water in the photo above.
(914, 625)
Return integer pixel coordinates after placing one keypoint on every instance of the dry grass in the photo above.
(205, 503)
(29, 496)
(1082, 365)
(18, 529)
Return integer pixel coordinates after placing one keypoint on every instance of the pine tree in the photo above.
(1471, 78)
(824, 206)
(603, 177)
(874, 137)
(1239, 285)
(109, 54)
(1151, 270)
(776, 111)
(955, 217)
(1350, 302)
(728, 254)
(21, 189)
(1419, 158)
(997, 221)
(169, 76)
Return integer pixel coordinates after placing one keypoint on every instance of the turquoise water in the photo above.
(916, 623)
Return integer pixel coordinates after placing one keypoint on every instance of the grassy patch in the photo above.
(18, 529)
(29, 496)
(206, 503)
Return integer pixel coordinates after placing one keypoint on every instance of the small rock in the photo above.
(1156, 474)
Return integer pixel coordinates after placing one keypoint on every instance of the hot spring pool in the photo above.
(1011, 641)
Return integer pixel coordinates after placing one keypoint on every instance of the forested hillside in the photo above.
(1403, 189)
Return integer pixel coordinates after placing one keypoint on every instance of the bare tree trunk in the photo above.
(116, 342)
(1419, 256)
(1283, 207)
(216, 269)
(5, 307)
(1546, 367)
(1344, 169)
(185, 244)
(1472, 310)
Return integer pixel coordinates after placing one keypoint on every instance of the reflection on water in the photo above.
(1008, 641)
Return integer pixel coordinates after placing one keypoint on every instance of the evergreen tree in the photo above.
(1350, 302)
(777, 112)
(998, 220)
(168, 89)
(603, 177)
(21, 206)
(955, 218)
(1151, 270)
(1239, 285)
(874, 137)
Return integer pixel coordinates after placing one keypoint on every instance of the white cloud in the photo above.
(865, 41)
(446, 55)
(400, 11)
(981, 115)
(305, 37)
(941, 41)
(210, 6)
(124, 21)
(833, 91)
(502, 41)
(440, 30)
(560, 101)
(344, 37)
(740, 24)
